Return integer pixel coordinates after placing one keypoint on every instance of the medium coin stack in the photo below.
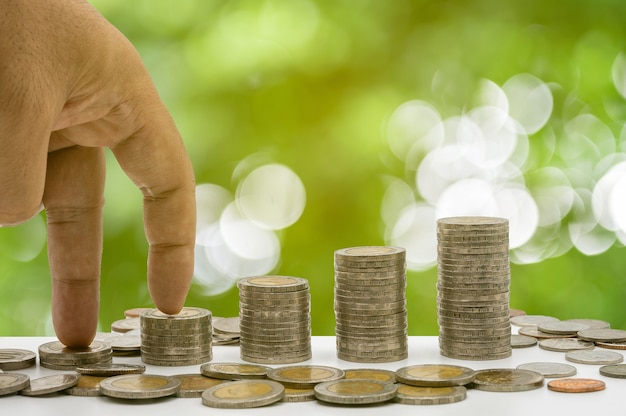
(473, 288)
(370, 304)
(56, 356)
(274, 319)
(176, 340)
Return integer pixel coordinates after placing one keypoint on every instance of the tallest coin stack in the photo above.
(473, 288)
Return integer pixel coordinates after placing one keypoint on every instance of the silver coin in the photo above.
(228, 325)
(549, 369)
(614, 370)
(561, 327)
(532, 320)
(50, 384)
(603, 335)
(110, 369)
(591, 323)
(507, 380)
(13, 382)
(16, 359)
(594, 357)
(565, 344)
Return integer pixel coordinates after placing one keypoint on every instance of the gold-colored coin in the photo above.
(435, 375)
(429, 395)
(303, 376)
(193, 385)
(371, 374)
(87, 386)
(139, 386)
(234, 371)
(50, 384)
(243, 394)
(355, 391)
(507, 380)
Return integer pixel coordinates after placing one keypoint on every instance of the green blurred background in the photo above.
(325, 106)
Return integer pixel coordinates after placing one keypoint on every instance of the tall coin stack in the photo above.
(176, 340)
(274, 319)
(473, 288)
(370, 304)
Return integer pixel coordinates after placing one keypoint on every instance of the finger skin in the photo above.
(73, 200)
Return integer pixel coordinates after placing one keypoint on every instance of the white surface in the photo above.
(422, 350)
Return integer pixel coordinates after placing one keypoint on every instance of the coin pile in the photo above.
(176, 340)
(473, 288)
(370, 304)
(56, 356)
(274, 319)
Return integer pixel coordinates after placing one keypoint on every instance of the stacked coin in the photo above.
(274, 319)
(56, 356)
(370, 304)
(176, 340)
(473, 288)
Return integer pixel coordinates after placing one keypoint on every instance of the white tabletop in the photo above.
(422, 350)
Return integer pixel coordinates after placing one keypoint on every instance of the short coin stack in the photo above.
(274, 319)
(370, 304)
(473, 288)
(56, 356)
(176, 340)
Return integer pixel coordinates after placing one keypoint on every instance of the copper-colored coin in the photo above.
(576, 385)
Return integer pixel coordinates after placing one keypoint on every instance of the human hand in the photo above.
(71, 85)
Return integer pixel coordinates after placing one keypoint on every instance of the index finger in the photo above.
(155, 159)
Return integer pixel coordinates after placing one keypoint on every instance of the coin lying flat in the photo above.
(87, 386)
(576, 385)
(522, 341)
(591, 323)
(507, 380)
(565, 344)
(234, 371)
(110, 369)
(594, 357)
(602, 334)
(16, 359)
(561, 327)
(13, 382)
(429, 395)
(532, 320)
(614, 370)
(243, 394)
(435, 375)
(303, 376)
(371, 374)
(298, 395)
(193, 385)
(50, 384)
(139, 386)
(549, 370)
(355, 391)
(611, 345)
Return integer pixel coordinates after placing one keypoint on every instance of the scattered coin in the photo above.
(304, 376)
(355, 391)
(549, 370)
(522, 341)
(614, 370)
(50, 384)
(561, 327)
(429, 395)
(124, 325)
(193, 385)
(13, 382)
(565, 344)
(16, 359)
(435, 375)
(110, 369)
(611, 345)
(139, 386)
(602, 335)
(507, 380)
(532, 320)
(87, 386)
(576, 385)
(298, 395)
(243, 394)
(594, 357)
(532, 331)
(591, 323)
(371, 374)
(234, 371)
